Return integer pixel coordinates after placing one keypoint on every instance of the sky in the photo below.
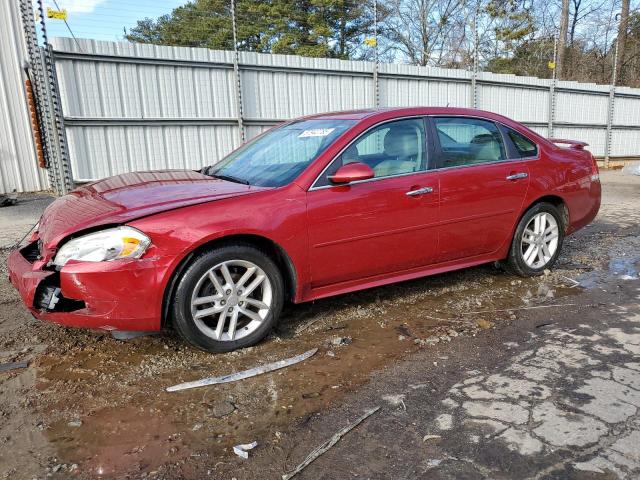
(104, 19)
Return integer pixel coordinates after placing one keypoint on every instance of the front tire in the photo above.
(228, 298)
(537, 241)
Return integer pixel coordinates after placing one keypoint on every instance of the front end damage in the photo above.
(118, 295)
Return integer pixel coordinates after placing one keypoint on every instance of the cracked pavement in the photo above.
(575, 390)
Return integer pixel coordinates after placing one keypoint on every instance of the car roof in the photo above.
(402, 111)
(373, 115)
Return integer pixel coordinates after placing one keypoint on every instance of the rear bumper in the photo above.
(592, 198)
(119, 295)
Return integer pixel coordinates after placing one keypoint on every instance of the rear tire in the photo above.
(228, 298)
(537, 241)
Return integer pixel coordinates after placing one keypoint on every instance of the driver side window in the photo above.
(392, 148)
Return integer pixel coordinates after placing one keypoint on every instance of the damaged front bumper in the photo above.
(118, 295)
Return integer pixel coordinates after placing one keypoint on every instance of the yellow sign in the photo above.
(552, 65)
(56, 14)
(370, 42)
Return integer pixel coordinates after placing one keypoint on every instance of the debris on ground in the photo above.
(484, 324)
(426, 438)
(306, 326)
(556, 305)
(339, 341)
(252, 372)
(130, 335)
(633, 169)
(222, 409)
(574, 283)
(8, 200)
(243, 449)
(5, 367)
(328, 444)
(395, 400)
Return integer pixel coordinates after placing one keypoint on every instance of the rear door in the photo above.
(483, 183)
(377, 226)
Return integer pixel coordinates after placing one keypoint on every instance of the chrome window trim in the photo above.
(508, 160)
(427, 169)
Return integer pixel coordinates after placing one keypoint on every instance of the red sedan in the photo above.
(319, 206)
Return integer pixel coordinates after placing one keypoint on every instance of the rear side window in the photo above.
(525, 147)
(468, 141)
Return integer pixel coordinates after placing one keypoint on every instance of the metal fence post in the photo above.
(552, 90)
(476, 59)
(58, 116)
(611, 109)
(35, 71)
(236, 71)
(376, 86)
(65, 176)
(57, 140)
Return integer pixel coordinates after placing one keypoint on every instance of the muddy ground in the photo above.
(91, 406)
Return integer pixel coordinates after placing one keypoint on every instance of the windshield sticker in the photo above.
(316, 132)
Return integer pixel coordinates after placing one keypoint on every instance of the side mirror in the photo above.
(352, 172)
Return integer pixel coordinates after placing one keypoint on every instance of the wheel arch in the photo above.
(274, 250)
(555, 200)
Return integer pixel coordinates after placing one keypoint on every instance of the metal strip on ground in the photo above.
(252, 372)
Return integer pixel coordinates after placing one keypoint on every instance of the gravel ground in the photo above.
(90, 405)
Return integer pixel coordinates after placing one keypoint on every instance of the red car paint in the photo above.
(333, 240)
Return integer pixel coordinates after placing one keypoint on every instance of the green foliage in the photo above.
(530, 58)
(514, 21)
(315, 28)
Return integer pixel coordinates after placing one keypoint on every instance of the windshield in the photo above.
(280, 155)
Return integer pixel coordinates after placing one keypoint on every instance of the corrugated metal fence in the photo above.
(18, 166)
(130, 107)
(133, 107)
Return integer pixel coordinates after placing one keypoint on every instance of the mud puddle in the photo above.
(104, 408)
(623, 264)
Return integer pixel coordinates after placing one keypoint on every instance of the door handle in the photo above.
(420, 191)
(517, 176)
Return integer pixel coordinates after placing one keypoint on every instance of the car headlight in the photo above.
(104, 246)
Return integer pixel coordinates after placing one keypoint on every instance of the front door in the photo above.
(378, 226)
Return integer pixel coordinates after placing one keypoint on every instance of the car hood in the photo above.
(119, 199)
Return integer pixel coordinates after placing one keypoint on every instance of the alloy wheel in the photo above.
(231, 300)
(539, 240)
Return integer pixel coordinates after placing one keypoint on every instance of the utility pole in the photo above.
(562, 41)
(236, 72)
(622, 37)
(376, 85)
(476, 54)
(610, 113)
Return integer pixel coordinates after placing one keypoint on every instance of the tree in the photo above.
(530, 58)
(630, 65)
(207, 23)
(316, 28)
(622, 37)
(421, 30)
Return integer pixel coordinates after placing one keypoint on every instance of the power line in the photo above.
(68, 27)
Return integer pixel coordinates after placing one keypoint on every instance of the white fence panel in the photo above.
(134, 107)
